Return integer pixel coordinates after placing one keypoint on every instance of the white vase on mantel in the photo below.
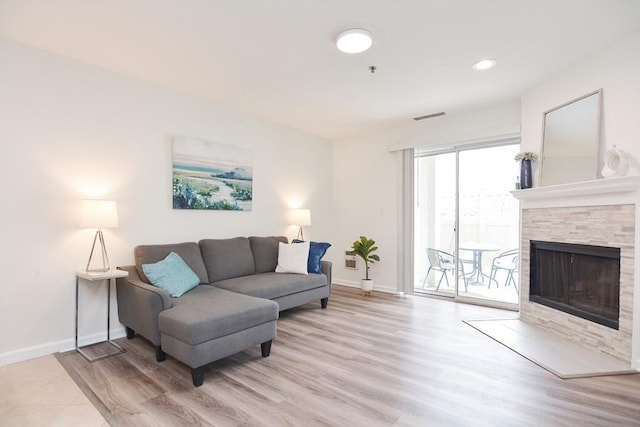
(367, 285)
(615, 164)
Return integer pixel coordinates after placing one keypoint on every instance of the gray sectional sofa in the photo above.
(234, 307)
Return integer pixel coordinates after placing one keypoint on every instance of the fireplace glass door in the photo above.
(582, 280)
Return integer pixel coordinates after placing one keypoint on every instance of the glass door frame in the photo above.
(456, 294)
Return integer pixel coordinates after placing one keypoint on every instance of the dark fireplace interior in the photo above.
(582, 280)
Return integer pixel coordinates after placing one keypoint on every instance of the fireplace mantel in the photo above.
(609, 191)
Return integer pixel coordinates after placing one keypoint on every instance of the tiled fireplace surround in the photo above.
(600, 212)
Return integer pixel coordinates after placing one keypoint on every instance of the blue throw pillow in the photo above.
(316, 252)
(172, 274)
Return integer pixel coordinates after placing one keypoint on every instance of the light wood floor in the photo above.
(382, 361)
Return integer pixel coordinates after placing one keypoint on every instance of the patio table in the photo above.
(478, 249)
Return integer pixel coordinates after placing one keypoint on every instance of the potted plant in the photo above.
(365, 248)
(525, 158)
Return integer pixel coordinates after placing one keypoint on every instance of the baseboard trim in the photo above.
(354, 284)
(20, 355)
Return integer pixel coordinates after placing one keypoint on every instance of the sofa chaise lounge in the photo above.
(235, 306)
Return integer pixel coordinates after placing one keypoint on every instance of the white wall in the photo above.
(367, 190)
(366, 200)
(615, 70)
(68, 131)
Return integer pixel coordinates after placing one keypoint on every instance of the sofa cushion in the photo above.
(293, 258)
(189, 252)
(171, 274)
(316, 252)
(265, 252)
(227, 258)
(272, 285)
(207, 313)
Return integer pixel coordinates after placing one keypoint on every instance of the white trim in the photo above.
(28, 353)
(511, 136)
(354, 284)
(609, 191)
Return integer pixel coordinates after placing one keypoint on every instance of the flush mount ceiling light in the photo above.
(484, 64)
(355, 40)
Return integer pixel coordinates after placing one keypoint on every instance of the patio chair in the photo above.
(507, 261)
(443, 262)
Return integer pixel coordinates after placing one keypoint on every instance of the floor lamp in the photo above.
(300, 217)
(99, 214)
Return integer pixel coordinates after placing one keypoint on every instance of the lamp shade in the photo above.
(99, 214)
(300, 217)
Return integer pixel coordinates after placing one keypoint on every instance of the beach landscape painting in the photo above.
(212, 176)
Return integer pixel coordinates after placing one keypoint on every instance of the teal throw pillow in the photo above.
(316, 252)
(172, 274)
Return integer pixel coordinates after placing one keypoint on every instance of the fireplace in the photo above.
(601, 213)
(582, 280)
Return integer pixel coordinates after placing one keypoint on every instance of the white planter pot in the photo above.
(367, 285)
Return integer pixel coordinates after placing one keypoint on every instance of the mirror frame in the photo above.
(598, 140)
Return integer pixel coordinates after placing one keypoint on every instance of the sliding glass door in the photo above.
(489, 217)
(466, 224)
(435, 225)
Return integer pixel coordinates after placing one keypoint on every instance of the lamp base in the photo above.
(105, 258)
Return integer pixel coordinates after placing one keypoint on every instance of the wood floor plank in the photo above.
(166, 411)
(384, 361)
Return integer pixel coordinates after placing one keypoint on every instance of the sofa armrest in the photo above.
(139, 304)
(325, 267)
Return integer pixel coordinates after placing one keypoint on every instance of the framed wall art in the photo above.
(211, 176)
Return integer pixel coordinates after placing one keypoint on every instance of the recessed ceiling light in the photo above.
(355, 40)
(484, 64)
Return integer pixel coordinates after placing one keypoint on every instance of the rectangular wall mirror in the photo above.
(571, 141)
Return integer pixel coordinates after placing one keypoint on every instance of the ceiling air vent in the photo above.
(429, 116)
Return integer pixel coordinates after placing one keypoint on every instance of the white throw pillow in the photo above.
(293, 258)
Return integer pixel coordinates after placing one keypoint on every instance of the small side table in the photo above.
(109, 276)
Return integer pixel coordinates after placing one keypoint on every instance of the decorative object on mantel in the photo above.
(365, 248)
(615, 164)
(526, 180)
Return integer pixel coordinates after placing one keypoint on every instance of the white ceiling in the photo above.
(277, 59)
